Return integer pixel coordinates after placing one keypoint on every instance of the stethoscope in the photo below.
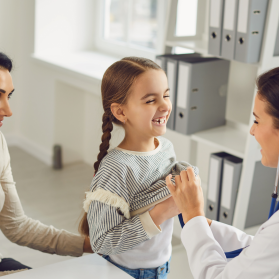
(273, 209)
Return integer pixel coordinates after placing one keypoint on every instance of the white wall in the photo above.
(64, 25)
(52, 106)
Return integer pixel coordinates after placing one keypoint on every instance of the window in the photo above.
(131, 25)
(131, 22)
(186, 20)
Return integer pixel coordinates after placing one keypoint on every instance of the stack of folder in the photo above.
(198, 91)
(169, 63)
(223, 182)
(236, 29)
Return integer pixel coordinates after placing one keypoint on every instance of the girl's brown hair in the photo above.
(116, 87)
(268, 91)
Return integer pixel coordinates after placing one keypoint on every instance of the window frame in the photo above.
(121, 48)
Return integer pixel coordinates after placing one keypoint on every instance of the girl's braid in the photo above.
(104, 146)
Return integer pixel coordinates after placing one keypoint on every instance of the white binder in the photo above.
(215, 27)
(250, 30)
(172, 81)
(161, 60)
(230, 182)
(229, 28)
(214, 184)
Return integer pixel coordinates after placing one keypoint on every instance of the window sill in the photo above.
(85, 66)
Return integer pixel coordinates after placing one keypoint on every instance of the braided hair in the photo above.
(116, 87)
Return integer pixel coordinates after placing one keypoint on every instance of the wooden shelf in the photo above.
(199, 46)
(226, 138)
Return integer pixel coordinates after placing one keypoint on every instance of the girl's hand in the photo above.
(164, 211)
(86, 245)
(187, 194)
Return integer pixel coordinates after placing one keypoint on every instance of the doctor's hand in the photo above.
(187, 194)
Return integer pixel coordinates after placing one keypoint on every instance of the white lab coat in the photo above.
(205, 248)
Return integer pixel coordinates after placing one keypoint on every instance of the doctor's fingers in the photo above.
(188, 178)
(170, 185)
(179, 183)
(191, 174)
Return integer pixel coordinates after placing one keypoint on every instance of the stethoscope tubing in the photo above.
(272, 205)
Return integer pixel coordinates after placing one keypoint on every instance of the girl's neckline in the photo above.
(138, 153)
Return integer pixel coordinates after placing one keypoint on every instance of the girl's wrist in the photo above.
(86, 245)
(156, 216)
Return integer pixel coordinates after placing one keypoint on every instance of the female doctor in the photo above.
(205, 240)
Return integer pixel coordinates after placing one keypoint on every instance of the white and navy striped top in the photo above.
(125, 187)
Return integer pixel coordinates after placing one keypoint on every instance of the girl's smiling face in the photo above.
(265, 133)
(148, 106)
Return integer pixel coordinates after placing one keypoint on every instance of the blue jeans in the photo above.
(160, 272)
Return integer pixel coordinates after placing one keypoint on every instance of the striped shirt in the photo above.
(127, 185)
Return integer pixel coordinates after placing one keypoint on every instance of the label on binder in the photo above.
(215, 13)
(242, 22)
(171, 79)
(229, 14)
(213, 180)
(182, 88)
(227, 186)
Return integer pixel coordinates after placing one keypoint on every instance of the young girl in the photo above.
(130, 180)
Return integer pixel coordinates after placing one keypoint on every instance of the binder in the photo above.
(161, 60)
(259, 203)
(214, 189)
(169, 64)
(250, 29)
(171, 71)
(229, 28)
(201, 94)
(215, 27)
(230, 182)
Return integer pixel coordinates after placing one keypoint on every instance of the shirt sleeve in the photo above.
(22, 230)
(111, 233)
(207, 259)
(229, 237)
(182, 165)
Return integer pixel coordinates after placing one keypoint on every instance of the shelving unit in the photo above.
(199, 46)
(228, 139)
(233, 138)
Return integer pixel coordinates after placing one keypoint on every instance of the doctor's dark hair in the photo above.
(5, 62)
(268, 91)
(116, 88)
